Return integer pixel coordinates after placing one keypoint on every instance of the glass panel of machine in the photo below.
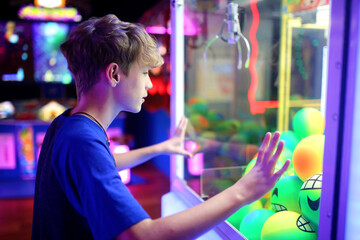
(253, 67)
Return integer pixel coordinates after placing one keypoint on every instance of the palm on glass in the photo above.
(262, 177)
(175, 145)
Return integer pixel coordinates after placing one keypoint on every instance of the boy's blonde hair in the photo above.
(97, 42)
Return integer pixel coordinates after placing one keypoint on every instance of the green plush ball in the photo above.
(249, 126)
(229, 125)
(239, 215)
(285, 155)
(308, 121)
(208, 135)
(251, 131)
(285, 195)
(214, 118)
(290, 171)
(309, 198)
(238, 138)
(290, 139)
(196, 105)
(253, 222)
(199, 107)
(199, 122)
(288, 225)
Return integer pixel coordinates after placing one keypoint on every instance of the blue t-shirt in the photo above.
(78, 192)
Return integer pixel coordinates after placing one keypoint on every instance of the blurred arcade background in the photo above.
(250, 67)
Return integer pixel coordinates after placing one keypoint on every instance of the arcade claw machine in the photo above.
(241, 68)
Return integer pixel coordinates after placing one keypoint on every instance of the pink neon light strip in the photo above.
(126, 173)
(196, 163)
(156, 29)
(189, 28)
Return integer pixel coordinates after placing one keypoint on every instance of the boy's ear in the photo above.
(112, 73)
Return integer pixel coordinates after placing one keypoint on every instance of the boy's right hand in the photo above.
(262, 178)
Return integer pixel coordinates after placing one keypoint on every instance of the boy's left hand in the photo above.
(175, 145)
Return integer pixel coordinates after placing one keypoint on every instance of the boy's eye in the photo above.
(147, 72)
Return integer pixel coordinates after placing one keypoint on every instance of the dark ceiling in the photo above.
(126, 10)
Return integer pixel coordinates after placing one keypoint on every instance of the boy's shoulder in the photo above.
(77, 126)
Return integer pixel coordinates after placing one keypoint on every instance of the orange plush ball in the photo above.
(308, 156)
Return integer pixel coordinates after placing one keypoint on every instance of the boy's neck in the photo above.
(97, 103)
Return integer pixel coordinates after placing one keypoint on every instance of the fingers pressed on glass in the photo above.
(180, 128)
(270, 150)
(276, 155)
(263, 148)
(183, 129)
(183, 123)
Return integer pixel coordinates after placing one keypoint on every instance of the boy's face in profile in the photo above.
(132, 89)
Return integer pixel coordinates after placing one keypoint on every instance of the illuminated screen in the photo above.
(49, 63)
(30, 51)
(16, 56)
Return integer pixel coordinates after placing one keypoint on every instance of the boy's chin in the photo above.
(135, 110)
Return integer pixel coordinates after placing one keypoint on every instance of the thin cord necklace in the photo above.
(94, 119)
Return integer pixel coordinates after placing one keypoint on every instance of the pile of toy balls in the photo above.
(291, 209)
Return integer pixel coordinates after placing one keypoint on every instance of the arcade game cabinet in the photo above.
(244, 68)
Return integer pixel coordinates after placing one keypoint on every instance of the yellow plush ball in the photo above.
(288, 225)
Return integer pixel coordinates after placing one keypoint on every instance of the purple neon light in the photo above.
(190, 28)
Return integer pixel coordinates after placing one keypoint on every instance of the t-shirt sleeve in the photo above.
(87, 174)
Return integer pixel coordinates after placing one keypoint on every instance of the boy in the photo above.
(79, 194)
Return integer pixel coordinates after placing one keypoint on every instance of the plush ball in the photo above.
(308, 121)
(253, 222)
(239, 215)
(199, 122)
(290, 171)
(308, 156)
(229, 126)
(196, 105)
(252, 131)
(201, 108)
(238, 138)
(194, 100)
(267, 202)
(290, 139)
(287, 225)
(285, 194)
(309, 198)
(208, 135)
(286, 154)
(214, 118)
